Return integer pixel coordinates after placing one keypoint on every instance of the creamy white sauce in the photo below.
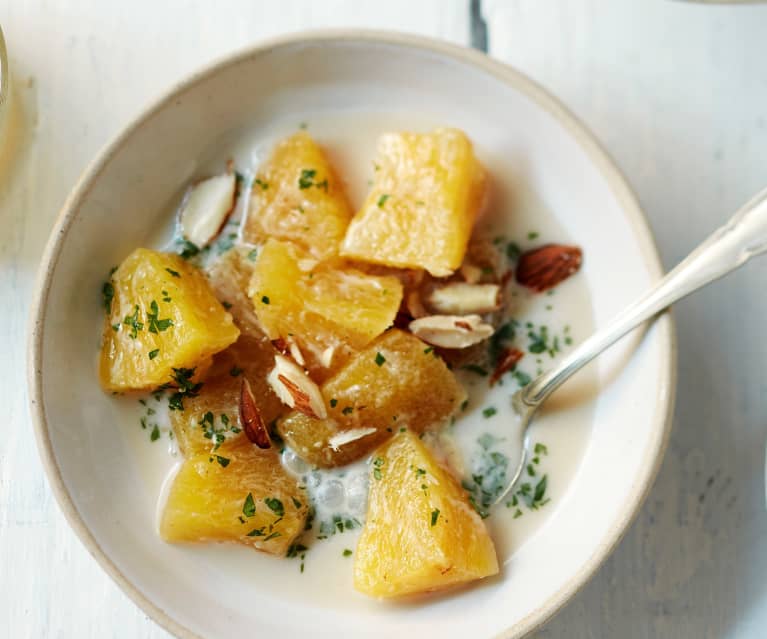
(340, 495)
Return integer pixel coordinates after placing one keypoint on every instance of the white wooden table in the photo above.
(677, 92)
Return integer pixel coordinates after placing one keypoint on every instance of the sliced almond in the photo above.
(295, 352)
(451, 331)
(471, 272)
(348, 436)
(506, 361)
(250, 417)
(326, 357)
(206, 208)
(461, 298)
(543, 268)
(295, 388)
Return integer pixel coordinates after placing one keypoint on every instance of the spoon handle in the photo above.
(728, 248)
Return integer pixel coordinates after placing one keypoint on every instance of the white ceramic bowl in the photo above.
(114, 208)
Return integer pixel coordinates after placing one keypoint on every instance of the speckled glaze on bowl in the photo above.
(113, 208)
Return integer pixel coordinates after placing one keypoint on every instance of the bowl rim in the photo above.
(618, 184)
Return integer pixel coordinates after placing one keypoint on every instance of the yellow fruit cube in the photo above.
(318, 305)
(210, 421)
(394, 383)
(243, 495)
(161, 316)
(427, 192)
(420, 534)
(229, 277)
(297, 197)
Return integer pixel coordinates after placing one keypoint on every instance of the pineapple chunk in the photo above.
(229, 276)
(420, 534)
(319, 306)
(297, 197)
(419, 213)
(245, 496)
(396, 382)
(161, 315)
(210, 421)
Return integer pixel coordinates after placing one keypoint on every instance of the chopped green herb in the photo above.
(155, 435)
(348, 410)
(188, 250)
(154, 353)
(540, 449)
(464, 405)
(252, 255)
(133, 322)
(475, 368)
(378, 462)
(249, 507)
(166, 297)
(256, 532)
(222, 460)
(523, 379)
(261, 183)
(115, 327)
(226, 305)
(513, 251)
(273, 535)
(428, 350)
(235, 371)
(157, 325)
(275, 505)
(333, 403)
(347, 552)
(517, 513)
(533, 235)
(296, 503)
(380, 359)
(306, 179)
(531, 470)
(186, 387)
(434, 516)
(108, 292)
(382, 200)
(264, 299)
(173, 273)
(489, 411)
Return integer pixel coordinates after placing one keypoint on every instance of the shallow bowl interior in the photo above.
(116, 206)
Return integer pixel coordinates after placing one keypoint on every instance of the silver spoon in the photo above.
(728, 248)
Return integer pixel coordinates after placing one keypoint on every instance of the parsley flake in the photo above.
(434, 516)
(380, 359)
(249, 507)
(154, 353)
(275, 505)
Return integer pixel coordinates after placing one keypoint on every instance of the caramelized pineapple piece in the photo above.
(210, 421)
(427, 192)
(243, 496)
(396, 382)
(420, 533)
(297, 197)
(161, 316)
(319, 306)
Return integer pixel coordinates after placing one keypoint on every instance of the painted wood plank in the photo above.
(676, 91)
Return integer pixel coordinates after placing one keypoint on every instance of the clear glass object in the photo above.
(5, 89)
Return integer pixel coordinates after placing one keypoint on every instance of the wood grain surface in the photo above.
(676, 92)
